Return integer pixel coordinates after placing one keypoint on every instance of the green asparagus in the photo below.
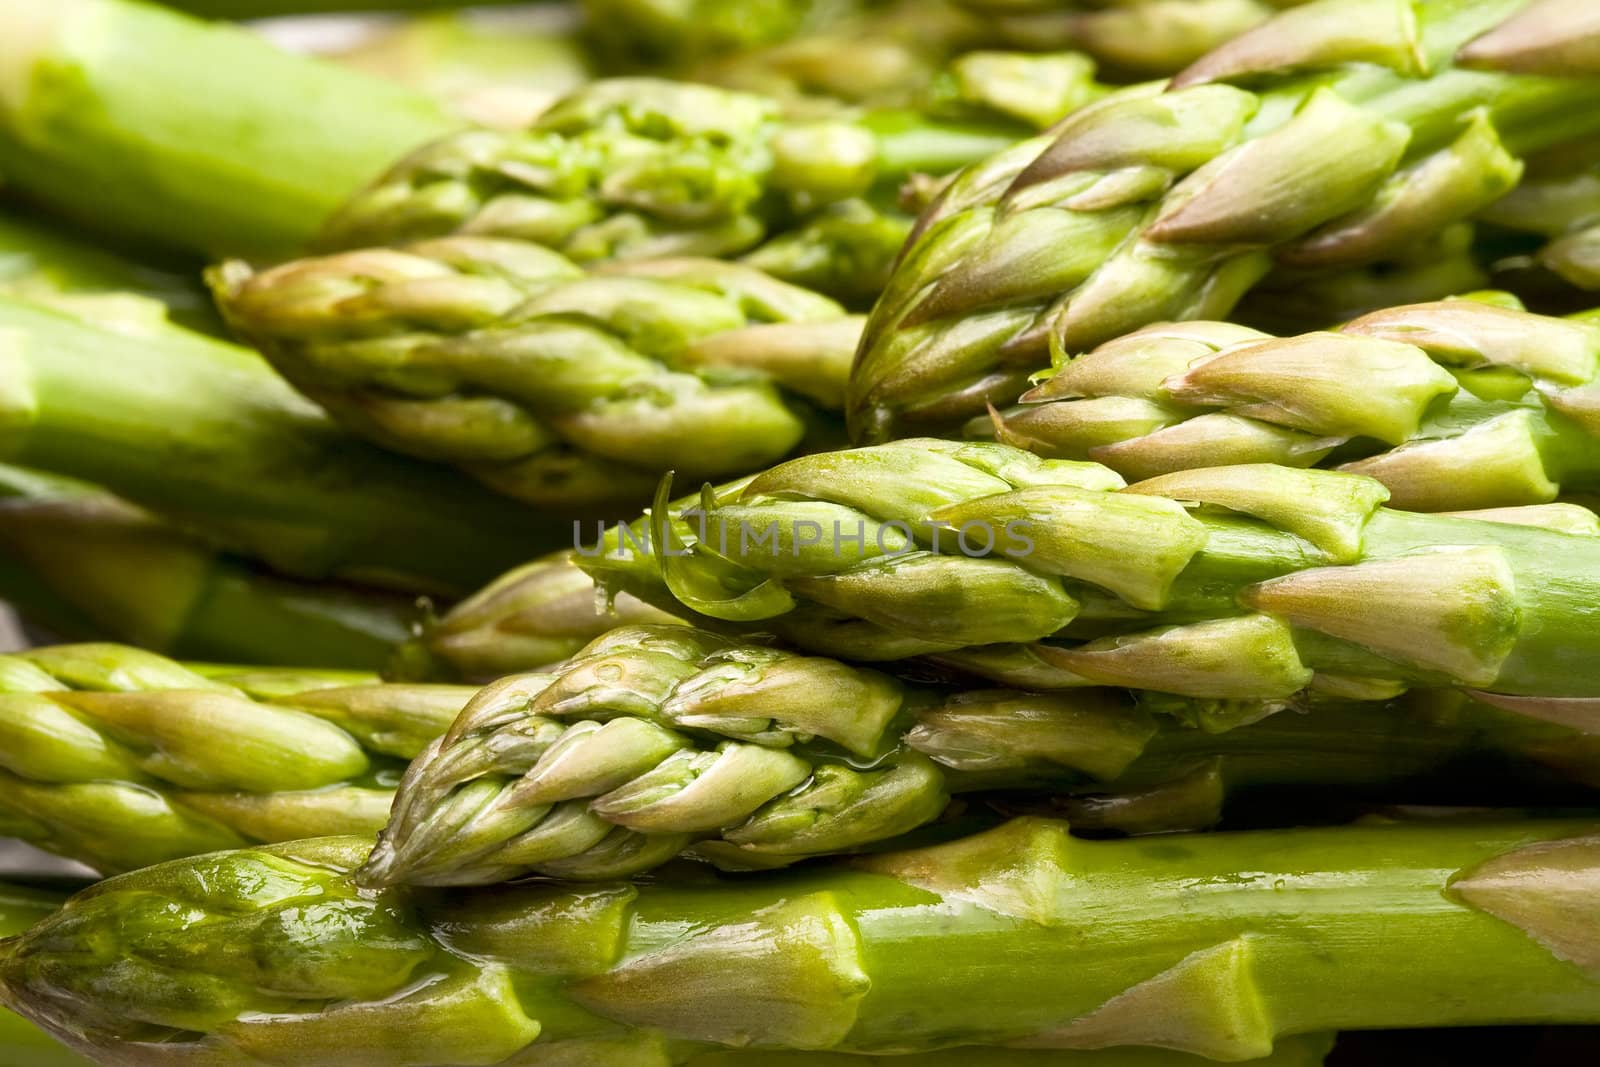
(1156, 205)
(255, 9)
(25, 1045)
(88, 566)
(634, 168)
(1241, 582)
(559, 388)
(52, 266)
(1453, 405)
(205, 434)
(144, 122)
(1219, 945)
(112, 754)
(659, 740)
(111, 757)
(529, 619)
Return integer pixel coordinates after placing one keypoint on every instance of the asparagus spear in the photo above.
(112, 753)
(657, 740)
(1218, 945)
(89, 566)
(1157, 205)
(556, 387)
(529, 619)
(1242, 582)
(255, 9)
(1483, 405)
(111, 758)
(204, 433)
(25, 1045)
(634, 168)
(141, 121)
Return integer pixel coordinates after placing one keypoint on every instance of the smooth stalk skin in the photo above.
(529, 619)
(47, 264)
(640, 168)
(660, 741)
(563, 389)
(23, 1043)
(120, 758)
(144, 122)
(205, 434)
(1217, 945)
(88, 566)
(1160, 204)
(1452, 405)
(1242, 583)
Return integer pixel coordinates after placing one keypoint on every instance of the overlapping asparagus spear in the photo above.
(1157, 205)
(643, 168)
(206, 434)
(560, 388)
(1219, 946)
(120, 758)
(660, 741)
(1244, 582)
(1452, 405)
(656, 741)
(529, 619)
(86, 565)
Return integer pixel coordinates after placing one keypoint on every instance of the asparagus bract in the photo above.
(655, 741)
(550, 385)
(120, 758)
(1154, 205)
(206, 434)
(1219, 945)
(1241, 582)
(86, 566)
(1452, 405)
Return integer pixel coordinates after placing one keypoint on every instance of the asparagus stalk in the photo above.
(654, 741)
(1219, 945)
(1233, 583)
(144, 122)
(558, 388)
(25, 1044)
(1158, 205)
(1482, 405)
(89, 566)
(204, 433)
(46, 265)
